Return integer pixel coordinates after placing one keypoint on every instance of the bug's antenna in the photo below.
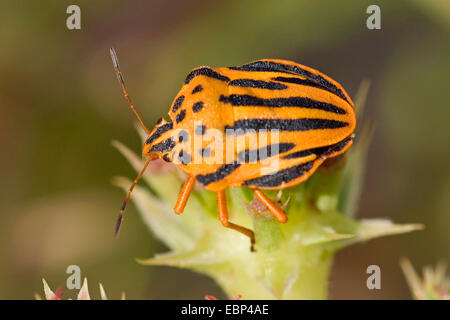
(124, 204)
(122, 84)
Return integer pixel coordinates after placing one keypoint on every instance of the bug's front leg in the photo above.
(277, 212)
(184, 194)
(223, 217)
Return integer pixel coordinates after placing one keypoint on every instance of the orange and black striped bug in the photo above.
(312, 115)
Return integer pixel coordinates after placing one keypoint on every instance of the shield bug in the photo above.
(304, 115)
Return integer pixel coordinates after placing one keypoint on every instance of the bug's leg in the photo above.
(223, 217)
(184, 194)
(124, 204)
(277, 212)
(124, 89)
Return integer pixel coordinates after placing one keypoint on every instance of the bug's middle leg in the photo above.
(223, 217)
(277, 212)
(184, 194)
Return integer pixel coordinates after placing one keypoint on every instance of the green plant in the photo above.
(83, 294)
(434, 285)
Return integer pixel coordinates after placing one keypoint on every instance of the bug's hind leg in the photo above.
(277, 212)
(223, 217)
(184, 194)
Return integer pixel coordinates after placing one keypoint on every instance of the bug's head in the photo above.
(160, 141)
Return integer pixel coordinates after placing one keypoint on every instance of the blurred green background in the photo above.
(61, 105)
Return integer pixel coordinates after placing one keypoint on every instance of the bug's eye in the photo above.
(166, 157)
(159, 121)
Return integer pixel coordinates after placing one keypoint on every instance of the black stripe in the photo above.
(243, 100)
(276, 179)
(303, 153)
(164, 146)
(322, 151)
(304, 124)
(270, 66)
(164, 128)
(180, 117)
(257, 84)
(254, 155)
(219, 174)
(177, 103)
(208, 72)
(197, 106)
(303, 82)
(197, 89)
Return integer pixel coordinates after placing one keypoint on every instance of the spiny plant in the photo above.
(292, 260)
(83, 294)
(434, 284)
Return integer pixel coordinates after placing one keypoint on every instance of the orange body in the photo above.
(268, 124)
(320, 121)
